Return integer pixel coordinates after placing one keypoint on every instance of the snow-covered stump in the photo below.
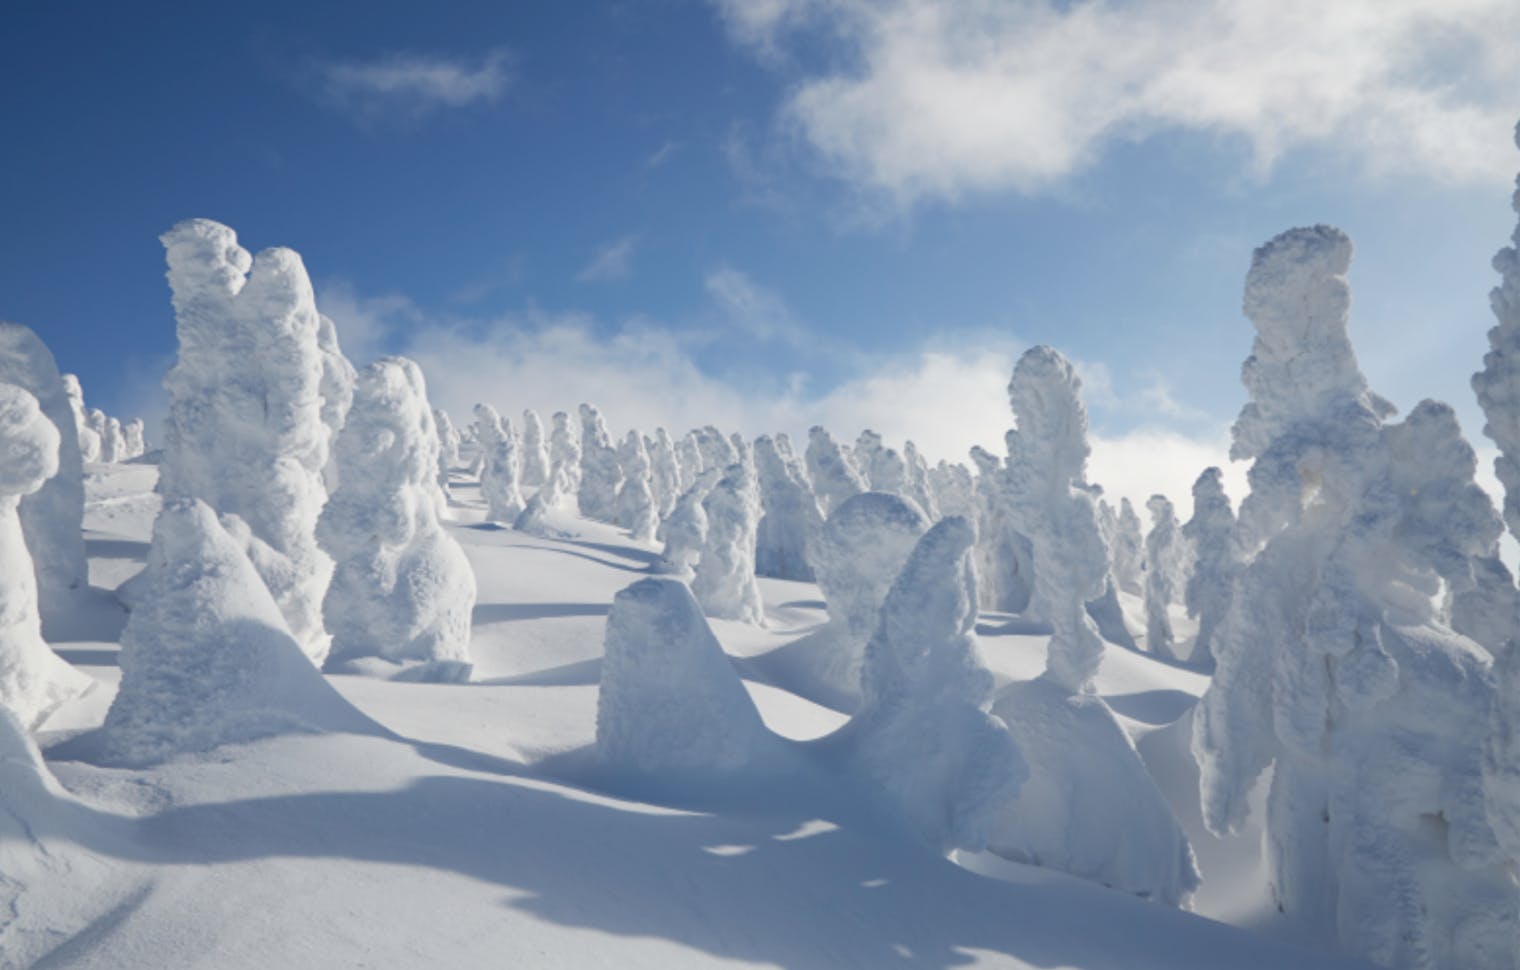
(132, 432)
(859, 554)
(564, 463)
(601, 476)
(52, 515)
(1334, 670)
(670, 701)
(89, 438)
(1127, 551)
(535, 451)
(1216, 563)
(207, 658)
(664, 473)
(33, 679)
(1161, 551)
(790, 521)
(635, 507)
(923, 735)
(685, 530)
(833, 476)
(724, 578)
(402, 589)
(499, 472)
(245, 431)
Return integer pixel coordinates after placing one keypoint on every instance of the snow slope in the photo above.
(480, 832)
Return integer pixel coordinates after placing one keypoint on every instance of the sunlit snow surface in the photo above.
(482, 833)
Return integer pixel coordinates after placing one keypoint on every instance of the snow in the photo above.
(1211, 531)
(634, 507)
(601, 474)
(790, 520)
(834, 478)
(1161, 553)
(499, 472)
(564, 462)
(535, 450)
(724, 576)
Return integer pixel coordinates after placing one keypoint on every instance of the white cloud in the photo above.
(937, 99)
(612, 261)
(757, 311)
(415, 84)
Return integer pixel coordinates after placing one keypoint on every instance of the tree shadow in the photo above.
(596, 559)
(645, 556)
(579, 674)
(485, 613)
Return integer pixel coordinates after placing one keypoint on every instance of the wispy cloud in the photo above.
(756, 311)
(611, 261)
(938, 100)
(413, 85)
(662, 155)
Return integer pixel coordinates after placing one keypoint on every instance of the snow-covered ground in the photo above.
(472, 828)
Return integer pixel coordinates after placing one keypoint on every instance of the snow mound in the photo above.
(670, 701)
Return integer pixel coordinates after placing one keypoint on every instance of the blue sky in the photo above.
(774, 212)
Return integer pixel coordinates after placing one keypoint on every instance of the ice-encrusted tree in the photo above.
(670, 700)
(89, 438)
(33, 679)
(96, 419)
(883, 467)
(1004, 558)
(448, 447)
(790, 521)
(688, 459)
(499, 474)
(564, 462)
(1333, 667)
(917, 482)
(1161, 551)
(402, 588)
(834, 477)
(1211, 531)
(685, 529)
(207, 657)
(664, 472)
(1127, 552)
(52, 515)
(716, 450)
(601, 475)
(954, 490)
(114, 442)
(535, 450)
(245, 432)
(724, 580)
(922, 734)
(1049, 503)
(336, 388)
(634, 507)
(132, 432)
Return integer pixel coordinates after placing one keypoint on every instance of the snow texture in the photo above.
(670, 701)
(923, 734)
(207, 658)
(1161, 551)
(33, 679)
(336, 388)
(688, 459)
(724, 579)
(1216, 565)
(883, 467)
(499, 473)
(715, 450)
(834, 478)
(136, 442)
(790, 520)
(859, 554)
(601, 475)
(448, 447)
(664, 472)
(113, 444)
(686, 528)
(245, 431)
(954, 490)
(1127, 551)
(564, 462)
(89, 438)
(402, 588)
(1004, 557)
(535, 451)
(635, 506)
(52, 515)
(918, 486)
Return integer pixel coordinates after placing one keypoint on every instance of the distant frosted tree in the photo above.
(635, 508)
(601, 476)
(132, 432)
(535, 451)
(834, 477)
(1161, 549)
(1127, 553)
(917, 481)
(89, 438)
(1211, 531)
(790, 521)
(664, 472)
(564, 462)
(724, 582)
(499, 476)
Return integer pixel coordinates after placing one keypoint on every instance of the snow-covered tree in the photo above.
(923, 735)
(1004, 558)
(33, 679)
(564, 462)
(954, 490)
(402, 588)
(1127, 551)
(1216, 564)
(89, 438)
(834, 477)
(917, 482)
(206, 656)
(686, 527)
(664, 472)
(448, 446)
(100, 426)
(634, 507)
(336, 388)
(499, 474)
(716, 450)
(535, 451)
(689, 459)
(245, 432)
(670, 701)
(790, 520)
(882, 467)
(52, 515)
(114, 442)
(1333, 668)
(724, 581)
(600, 474)
(1161, 552)
(132, 432)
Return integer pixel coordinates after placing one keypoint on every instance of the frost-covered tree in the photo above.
(564, 462)
(689, 459)
(686, 528)
(664, 472)
(883, 467)
(96, 418)
(954, 490)
(336, 388)
(132, 432)
(917, 482)
(1127, 552)
(1049, 503)
(402, 588)
(670, 700)
(1161, 551)
(499, 475)
(33, 679)
(923, 735)
(1216, 564)
(1004, 558)
(535, 451)
(834, 477)
(89, 438)
(245, 432)
(206, 656)
(114, 441)
(716, 450)
(724, 580)
(52, 515)
(600, 474)
(1333, 668)
(790, 520)
(448, 447)
(634, 508)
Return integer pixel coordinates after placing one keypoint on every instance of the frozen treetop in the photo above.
(1498, 383)
(1046, 396)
